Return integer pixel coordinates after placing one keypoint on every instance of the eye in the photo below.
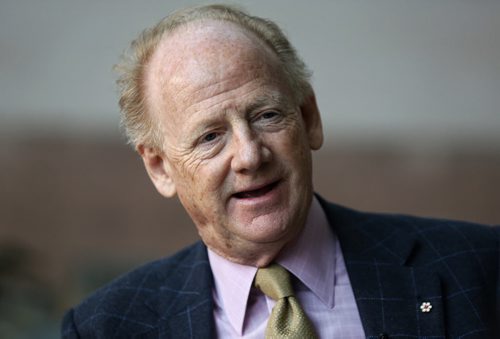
(209, 137)
(269, 115)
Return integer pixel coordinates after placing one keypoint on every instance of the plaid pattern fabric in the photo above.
(395, 263)
(169, 298)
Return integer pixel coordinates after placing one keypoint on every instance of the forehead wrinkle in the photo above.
(215, 101)
(219, 89)
(274, 98)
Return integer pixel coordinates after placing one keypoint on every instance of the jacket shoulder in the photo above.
(428, 230)
(123, 301)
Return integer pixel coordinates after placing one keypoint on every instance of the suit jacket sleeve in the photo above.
(69, 330)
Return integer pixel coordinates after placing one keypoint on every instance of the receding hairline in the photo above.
(175, 47)
(195, 24)
(136, 118)
(179, 40)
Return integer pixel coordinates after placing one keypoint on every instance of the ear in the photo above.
(312, 121)
(159, 170)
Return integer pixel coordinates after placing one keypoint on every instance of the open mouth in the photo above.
(256, 193)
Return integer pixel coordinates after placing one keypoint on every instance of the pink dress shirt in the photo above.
(322, 287)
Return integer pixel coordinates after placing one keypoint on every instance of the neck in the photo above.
(252, 254)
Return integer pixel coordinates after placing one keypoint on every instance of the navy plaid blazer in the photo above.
(394, 262)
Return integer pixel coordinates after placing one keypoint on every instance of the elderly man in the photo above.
(220, 108)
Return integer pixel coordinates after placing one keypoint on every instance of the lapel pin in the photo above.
(426, 307)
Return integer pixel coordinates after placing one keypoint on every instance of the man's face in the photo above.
(237, 145)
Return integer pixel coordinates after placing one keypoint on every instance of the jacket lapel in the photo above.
(183, 304)
(388, 290)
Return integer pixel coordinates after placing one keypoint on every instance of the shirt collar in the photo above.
(311, 258)
(232, 284)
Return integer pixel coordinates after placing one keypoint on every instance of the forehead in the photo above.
(209, 45)
(203, 53)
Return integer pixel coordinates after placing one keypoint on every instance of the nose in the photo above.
(249, 152)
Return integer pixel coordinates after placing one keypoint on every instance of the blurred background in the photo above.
(409, 94)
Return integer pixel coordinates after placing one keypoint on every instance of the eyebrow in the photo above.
(265, 100)
(270, 99)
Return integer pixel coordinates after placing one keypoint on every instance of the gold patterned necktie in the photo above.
(287, 320)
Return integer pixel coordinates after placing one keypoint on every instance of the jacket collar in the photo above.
(183, 303)
(387, 288)
(365, 237)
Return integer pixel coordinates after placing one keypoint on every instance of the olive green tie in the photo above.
(287, 320)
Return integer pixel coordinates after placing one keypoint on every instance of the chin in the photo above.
(270, 228)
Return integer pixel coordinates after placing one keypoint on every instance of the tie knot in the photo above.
(274, 281)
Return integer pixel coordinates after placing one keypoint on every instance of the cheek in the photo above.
(293, 145)
(205, 209)
(202, 192)
(296, 156)
(204, 174)
(193, 207)
(212, 178)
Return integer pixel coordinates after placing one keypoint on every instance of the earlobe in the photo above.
(312, 120)
(158, 169)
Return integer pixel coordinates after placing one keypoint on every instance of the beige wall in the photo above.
(423, 74)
